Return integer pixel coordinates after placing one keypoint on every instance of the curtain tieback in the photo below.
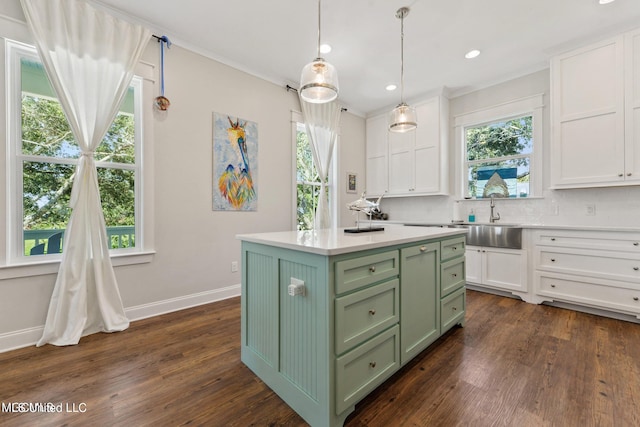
(88, 156)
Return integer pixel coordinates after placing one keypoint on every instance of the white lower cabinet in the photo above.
(597, 269)
(502, 269)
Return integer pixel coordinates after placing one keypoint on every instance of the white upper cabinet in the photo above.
(632, 105)
(431, 147)
(377, 177)
(593, 104)
(401, 162)
(415, 161)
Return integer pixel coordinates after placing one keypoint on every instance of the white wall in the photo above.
(351, 159)
(614, 206)
(194, 245)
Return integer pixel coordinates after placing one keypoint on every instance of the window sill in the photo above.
(51, 266)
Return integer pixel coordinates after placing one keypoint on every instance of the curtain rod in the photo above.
(162, 39)
(293, 89)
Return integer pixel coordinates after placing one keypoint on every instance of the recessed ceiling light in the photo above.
(472, 54)
(605, 1)
(325, 48)
(391, 87)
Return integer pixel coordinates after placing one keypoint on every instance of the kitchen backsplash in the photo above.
(619, 207)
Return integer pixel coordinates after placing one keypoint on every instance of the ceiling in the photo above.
(275, 39)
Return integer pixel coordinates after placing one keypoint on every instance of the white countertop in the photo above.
(522, 225)
(336, 241)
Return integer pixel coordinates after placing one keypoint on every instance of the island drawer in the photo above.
(452, 276)
(452, 248)
(364, 368)
(355, 273)
(363, 314)
(452, 309)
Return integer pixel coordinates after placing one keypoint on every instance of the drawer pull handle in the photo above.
(372, 364)
(635, 298)
(636, 243)
(635, 268)
(553, 260)
(372, 312)
(553, 239)
(553, 286)
(372, 269)
(454, 248)
(423, 248)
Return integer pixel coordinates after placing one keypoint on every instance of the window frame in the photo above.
(13, 262)
(297, 118)
(529, 106)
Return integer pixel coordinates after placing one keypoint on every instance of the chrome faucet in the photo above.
(494, 216)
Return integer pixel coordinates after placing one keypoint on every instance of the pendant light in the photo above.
(403, 118)
(319, 79)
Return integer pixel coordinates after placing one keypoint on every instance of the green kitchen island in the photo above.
(328, 316)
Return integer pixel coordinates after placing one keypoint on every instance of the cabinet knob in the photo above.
(636, 268)
(372, 269)
(636, 244)
(553, 286)
(454, 308)
(553, 260)
(372, 312)
(423, 248)
(454, 248)
(372, 364)
(621, 175)
(553, 239)
(629, 174)
(454, 275)
(635, 298)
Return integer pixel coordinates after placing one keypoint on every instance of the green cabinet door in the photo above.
(419, 298)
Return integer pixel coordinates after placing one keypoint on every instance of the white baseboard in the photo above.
(28, 337)
(174, 304)
(22, 338)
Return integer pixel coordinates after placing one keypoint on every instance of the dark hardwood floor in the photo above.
(513, 364)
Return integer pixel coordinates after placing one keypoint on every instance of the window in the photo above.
(307, 181)
(44, 156)
(499, 158)
(501, 150)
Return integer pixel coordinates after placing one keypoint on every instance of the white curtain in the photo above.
(321, 121)
(89, 57)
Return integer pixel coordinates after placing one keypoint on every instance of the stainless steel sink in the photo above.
(492, 235)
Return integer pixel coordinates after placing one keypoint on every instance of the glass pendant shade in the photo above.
(403, 118)
(319, 82)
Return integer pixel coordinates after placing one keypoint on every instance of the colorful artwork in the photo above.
(235, 163)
